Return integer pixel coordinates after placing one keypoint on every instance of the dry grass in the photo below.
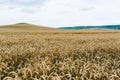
(23, 27)
(70, 55)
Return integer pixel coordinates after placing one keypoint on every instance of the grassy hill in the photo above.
(25, 26)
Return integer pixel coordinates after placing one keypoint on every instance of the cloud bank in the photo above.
(56, 13)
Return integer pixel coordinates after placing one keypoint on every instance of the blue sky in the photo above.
(55, 13)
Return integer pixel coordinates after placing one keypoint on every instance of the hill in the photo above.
(93, 27)
(25, 26)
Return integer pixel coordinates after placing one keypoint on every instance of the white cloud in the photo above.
(62, 12)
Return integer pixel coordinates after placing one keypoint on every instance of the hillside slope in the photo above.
(25, 26)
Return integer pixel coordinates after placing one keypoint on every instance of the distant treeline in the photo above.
(93, 27)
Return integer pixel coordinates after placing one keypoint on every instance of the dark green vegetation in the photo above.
(93, 27)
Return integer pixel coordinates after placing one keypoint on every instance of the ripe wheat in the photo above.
(60, 55)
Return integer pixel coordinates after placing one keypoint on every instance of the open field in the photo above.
(60, 55)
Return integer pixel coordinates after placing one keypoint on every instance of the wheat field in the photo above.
(60, 55)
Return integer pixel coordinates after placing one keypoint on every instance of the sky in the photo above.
(59, 13)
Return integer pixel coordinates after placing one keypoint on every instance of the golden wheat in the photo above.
(60, 55)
